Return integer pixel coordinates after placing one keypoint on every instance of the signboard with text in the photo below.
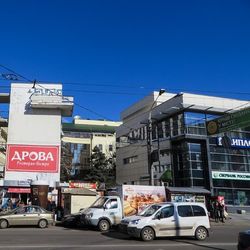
(73, 184)
(31, 158)
(235, 142)
(231, 176)
(239, 119)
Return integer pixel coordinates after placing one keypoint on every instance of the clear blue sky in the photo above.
(110, 53)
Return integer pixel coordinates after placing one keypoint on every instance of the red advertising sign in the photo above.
(19, 190)
(88, 185)
(30, 158)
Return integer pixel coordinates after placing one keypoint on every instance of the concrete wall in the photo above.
(80, 201)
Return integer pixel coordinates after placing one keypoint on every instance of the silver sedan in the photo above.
(27, 215)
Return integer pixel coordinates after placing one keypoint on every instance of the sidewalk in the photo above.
(234, 218)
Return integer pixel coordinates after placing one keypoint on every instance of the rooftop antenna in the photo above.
(34, 84)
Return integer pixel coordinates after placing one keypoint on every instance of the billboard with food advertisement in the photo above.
(137, 197)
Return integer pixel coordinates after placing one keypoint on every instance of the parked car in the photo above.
(27, 215)
(169, 219)
(244, 240)
(72, 220)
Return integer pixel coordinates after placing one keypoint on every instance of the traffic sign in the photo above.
(239, 119)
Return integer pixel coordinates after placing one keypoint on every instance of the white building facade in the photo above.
(34, 134)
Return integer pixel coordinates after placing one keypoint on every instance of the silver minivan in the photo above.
(169, 219)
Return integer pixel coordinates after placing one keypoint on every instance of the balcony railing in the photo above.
(64, 103)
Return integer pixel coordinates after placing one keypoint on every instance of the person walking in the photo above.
(216, 211)
(221, 212)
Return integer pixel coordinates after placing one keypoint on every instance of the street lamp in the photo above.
(149, 139)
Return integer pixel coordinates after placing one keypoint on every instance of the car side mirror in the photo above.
(158, 216)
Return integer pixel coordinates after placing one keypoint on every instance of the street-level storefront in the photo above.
(230, 168)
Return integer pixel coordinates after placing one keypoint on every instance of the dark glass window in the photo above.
(167, 212)
(160, 130)
(175, 125)
(185, 211)
(167, 128)
(198, 182)
(198, 211)
(154, 130)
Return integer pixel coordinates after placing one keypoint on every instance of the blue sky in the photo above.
(110, 53)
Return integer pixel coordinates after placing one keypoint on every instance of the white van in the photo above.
(169, 219)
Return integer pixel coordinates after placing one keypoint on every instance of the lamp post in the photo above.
(149, 140)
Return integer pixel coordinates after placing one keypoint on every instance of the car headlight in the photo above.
(88, 216)
(135, 222)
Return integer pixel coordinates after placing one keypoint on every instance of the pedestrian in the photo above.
(216, 211)
(29, 201)
(9, 204)
(221, 212)
(49, 207)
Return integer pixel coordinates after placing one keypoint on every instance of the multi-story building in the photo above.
(179, 144)
(4, 99)
(33, 147)
(82, 136)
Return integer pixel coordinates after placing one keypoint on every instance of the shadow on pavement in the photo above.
(193, 242)
(198, 245)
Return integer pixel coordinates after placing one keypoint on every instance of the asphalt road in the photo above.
(222, 237)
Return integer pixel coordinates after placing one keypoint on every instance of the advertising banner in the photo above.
(227, 122)
(31, 158)
(235, 142)
(231, 176)
(137, 197)
(19, 190)
(73, 184)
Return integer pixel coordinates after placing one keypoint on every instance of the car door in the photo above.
(165, 221)
(112, 211)
(32, 215)
(186, 220)
(16, 218)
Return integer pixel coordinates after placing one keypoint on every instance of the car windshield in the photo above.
(150, 210)
(9, 212)
(99, 203)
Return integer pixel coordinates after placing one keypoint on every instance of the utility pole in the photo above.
(149, 140)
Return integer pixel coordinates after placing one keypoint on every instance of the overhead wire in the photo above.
(104, 92)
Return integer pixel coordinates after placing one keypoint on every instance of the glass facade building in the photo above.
(196, 159)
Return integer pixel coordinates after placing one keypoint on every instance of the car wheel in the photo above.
(103, 225)
(147, 234)
(4, 224)
(201, 233)
(42, 223)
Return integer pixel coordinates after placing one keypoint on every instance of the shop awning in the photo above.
(19, 190)
(188, 190)
(79, 191)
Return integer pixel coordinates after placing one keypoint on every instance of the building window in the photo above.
(167, 128)
(160, 130)
(195, 123)
(130, 159)
(110, 147)
(154, 131)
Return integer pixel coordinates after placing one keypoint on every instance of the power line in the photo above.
(15, 73)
